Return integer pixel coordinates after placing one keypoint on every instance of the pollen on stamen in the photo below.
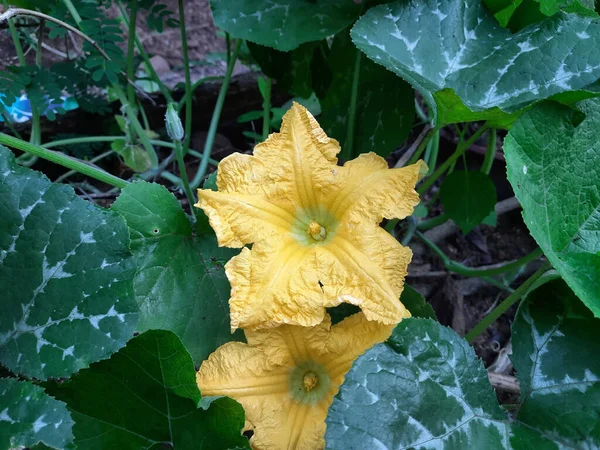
(316, 231)
(310, 381)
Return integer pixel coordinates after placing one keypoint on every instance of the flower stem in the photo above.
(184, 178)
(188, 81)
(490, 152)
(267, 109)
(63, 160)
(130, 49)
(349, 144)
(212, 131)
(506, 304)
(463, 270)
(460, 149)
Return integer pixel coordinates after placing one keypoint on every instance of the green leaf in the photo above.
(283, 24)
(134, 156)
(66, 274)
(443, 44)
(468, 197)
(385, 108)
(416, 303)
(145, 396)
(425, 389)
(555, 352)
(180, 285)
(551, 157)
(29, 416)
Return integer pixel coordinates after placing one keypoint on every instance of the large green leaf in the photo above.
(425, 389)
(552, 164)
(66, 274)
(468, 198)
(457, 55)
(180, 284)
(283, 24)
(29, 416)
(555, 352)
(385, 106)
(145, 396)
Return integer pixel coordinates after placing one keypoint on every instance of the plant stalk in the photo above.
(490, 152)
(267, 110)
(188, 81)
(349, 144)
(184, 178)
(506, 304)
(63, 160)
(133, 13)
(214, 123)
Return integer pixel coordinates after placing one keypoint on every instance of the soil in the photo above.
(459, 302)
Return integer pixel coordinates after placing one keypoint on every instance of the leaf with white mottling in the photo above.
(552, 163)
(555, 353)
(180, 284)
(468, 67)
(28, 416)
(283, 24)
(66, 274)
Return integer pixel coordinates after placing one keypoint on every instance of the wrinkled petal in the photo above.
(348, 340)
(365, 267)
(274, 283)
(369, 190)
(257, 375)
(241, 219)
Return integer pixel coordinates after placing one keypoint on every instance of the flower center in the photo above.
(316, 231)
(314, 226)
(309, 382)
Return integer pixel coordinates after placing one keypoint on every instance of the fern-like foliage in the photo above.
(159, 15)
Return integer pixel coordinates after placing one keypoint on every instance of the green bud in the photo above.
(174, 126)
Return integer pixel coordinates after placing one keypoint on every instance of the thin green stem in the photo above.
(94, 160)
(133, 13)
(228, 47)
(349, 144)
(15, 37)
(490, 152)
(147, 64)
(137, 126)
(188, 80)
(184, 177)
(465, 271)
(506, 304)
(73, 11)
(267, 109)
(422, 146)
(431, 160)
(214, 123)
(460, 149)
(7, 121)
(63, 160)
(428, 224)
(183, 102)
(36, 126)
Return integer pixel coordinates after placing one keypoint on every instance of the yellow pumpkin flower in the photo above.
(314, 227)
(286, 377)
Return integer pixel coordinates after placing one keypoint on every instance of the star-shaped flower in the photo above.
(286, 377)
(314, 227)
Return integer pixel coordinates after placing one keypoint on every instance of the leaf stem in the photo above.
(133, 13)
(506, 304)
(460, 149)
(94, 160)
(188, 81)
(184, 178)
(73, 11)
(214, 123)
(490, 152)
(465, 271)
(267, 109)
(349, 144)
(422, 146)
(63, 160)
(15, 37)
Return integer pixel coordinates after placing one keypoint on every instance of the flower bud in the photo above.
(174, 126)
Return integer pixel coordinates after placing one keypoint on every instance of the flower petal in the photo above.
(348, 340)
(369, 190)
(364, 265)
(274, 283)
(241, 219)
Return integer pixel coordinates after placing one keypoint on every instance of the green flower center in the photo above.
(309, 382)
(314, 226)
